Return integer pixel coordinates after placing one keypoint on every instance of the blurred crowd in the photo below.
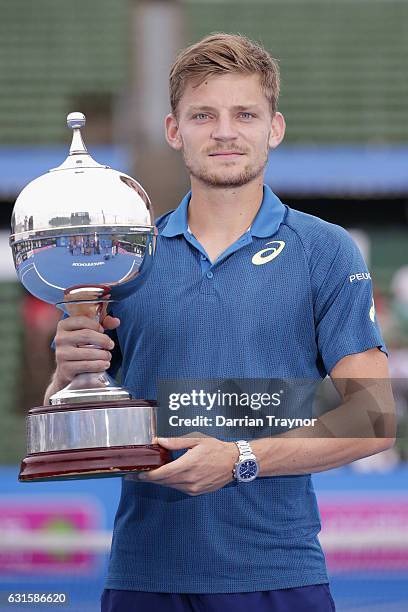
(392, 313)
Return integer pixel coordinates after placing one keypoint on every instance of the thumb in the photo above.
(178, 443)
(110, 322)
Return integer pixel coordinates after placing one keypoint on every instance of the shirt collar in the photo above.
(266, 223)
(177, 223)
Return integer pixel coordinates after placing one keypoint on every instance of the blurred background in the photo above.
(344, 159)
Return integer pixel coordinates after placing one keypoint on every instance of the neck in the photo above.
(226, 212)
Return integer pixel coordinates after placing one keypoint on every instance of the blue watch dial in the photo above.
(248, 469)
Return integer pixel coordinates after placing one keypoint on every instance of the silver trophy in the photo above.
(83, 235)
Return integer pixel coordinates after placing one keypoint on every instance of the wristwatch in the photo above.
(246, 468)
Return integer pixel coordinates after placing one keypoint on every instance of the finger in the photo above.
(83, 354)
(181, 485)
(80, 322)
(72, 368)
(170, 472)
(135, 476)
(84, 337)
(178, 443)
(110, 322)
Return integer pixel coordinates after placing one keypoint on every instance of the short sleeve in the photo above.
(344, 308)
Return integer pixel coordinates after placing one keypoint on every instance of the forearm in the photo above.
(363, 425)
(280, 456)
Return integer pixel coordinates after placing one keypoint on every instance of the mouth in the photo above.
(226, 154)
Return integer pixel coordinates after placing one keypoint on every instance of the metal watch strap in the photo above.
(245, 451)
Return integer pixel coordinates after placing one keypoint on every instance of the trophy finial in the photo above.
(76, 121)
(78, 157)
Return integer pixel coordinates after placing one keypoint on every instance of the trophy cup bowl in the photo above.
(83, 235)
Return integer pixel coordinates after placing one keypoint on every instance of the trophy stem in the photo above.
(90, 387)
(94, 387)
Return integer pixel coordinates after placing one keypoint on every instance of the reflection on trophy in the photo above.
(82, 236)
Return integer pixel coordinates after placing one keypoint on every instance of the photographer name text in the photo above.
(219, 420)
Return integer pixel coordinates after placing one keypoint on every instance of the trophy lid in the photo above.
(79, 192)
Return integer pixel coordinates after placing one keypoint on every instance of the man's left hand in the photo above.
(205, 467)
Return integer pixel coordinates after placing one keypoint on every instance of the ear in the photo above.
(278, 128)
(172, 132)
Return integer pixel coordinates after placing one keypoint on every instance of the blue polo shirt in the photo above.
(289, 298)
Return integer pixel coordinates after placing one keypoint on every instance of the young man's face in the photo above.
(224, 129)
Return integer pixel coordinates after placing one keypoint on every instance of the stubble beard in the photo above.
(223, 178)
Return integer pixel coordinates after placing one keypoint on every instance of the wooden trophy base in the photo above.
(92, 463)
(52, 428)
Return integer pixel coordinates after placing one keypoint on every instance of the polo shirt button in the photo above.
(203, 257)
(209, 275)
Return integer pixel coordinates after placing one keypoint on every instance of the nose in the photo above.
(224, 129)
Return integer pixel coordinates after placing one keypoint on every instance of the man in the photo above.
(242, 287)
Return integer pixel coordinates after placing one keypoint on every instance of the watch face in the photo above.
(248, 470)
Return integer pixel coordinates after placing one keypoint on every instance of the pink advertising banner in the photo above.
(23, 515)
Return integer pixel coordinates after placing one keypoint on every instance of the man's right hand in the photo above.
(73, 352)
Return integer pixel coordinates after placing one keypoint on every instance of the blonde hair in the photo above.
(221, 53)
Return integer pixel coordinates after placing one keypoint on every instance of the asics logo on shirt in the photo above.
(266, 255)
